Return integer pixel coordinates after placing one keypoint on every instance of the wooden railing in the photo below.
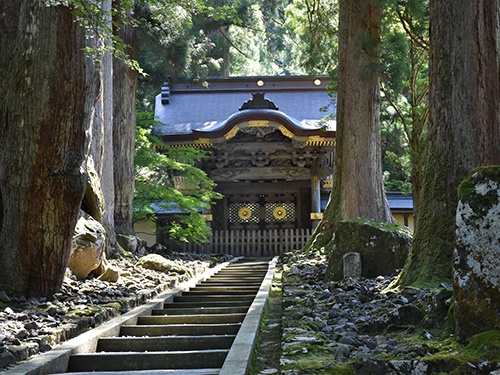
(252, 243)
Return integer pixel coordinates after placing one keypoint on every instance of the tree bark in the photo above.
(107, 176)
(464, 126)
(358, 189)
(124, 123)
(44, 137)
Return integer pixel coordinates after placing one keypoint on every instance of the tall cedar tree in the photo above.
(358, 188)
(43, 133)
(464, 126)
(124, 123)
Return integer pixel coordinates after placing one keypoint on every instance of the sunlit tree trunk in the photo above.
(44, 143)
(124, 123)
(358, 189)
(464, 126)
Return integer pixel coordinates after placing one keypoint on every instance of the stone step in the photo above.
(164, 343)
(133, 361)
(192, 335)
(239, 279)
(229, 283)
(213, 298)
(191, 319)
(180, 329)
(225, 288)
(181, 305)
(224, 284)
(249, 271)
(220, 291)
(202, 371)
(200, 310)
(244, 269)
(257, 266)
(258, 270)
(237, 274)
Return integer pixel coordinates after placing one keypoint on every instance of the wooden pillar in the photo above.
(315, 199)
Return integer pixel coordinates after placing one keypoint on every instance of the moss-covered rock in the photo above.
(132, 244)
(158, 263)
(383, 247)
(476, 262)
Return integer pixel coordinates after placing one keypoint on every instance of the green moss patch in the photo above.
(309, 362)
(485, 346)
(480, 203)
(267, 352)
(384, 225)
(339, 370)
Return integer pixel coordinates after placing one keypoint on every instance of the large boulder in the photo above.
(88, 249)
(158, 263)
(476, 268)
(383, 247)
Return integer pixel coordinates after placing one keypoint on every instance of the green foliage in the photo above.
(315, 24)
(404, 72)
(170, 180)
(269, 46)
(400, 166)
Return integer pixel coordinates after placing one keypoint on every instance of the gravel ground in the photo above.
(358, 327)
(311, 326)
(36, 325)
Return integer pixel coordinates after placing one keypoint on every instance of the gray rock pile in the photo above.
(354, 323)
(35, 325)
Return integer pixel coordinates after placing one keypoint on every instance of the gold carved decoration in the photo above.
(316, 140)
(244, 213)
(201, 141)
(279, 212)
(207, 217)
(232, 132)
(285, 131)
(316, 215)
(258, 123)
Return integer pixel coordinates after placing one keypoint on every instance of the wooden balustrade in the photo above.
(252, 243)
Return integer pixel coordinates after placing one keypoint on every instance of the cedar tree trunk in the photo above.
(358, 188)
(107, 176)
(44, 143)
(124, 123)
(464, 126)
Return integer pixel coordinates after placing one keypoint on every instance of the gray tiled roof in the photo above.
(195, 111)
(401, 202)
(396, 202)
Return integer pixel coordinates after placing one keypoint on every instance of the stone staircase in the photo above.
(191, 335)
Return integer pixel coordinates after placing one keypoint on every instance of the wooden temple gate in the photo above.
(252, 243)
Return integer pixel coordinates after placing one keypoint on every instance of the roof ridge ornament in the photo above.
(258, 102)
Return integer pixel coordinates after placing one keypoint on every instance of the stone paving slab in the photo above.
(238, 359)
